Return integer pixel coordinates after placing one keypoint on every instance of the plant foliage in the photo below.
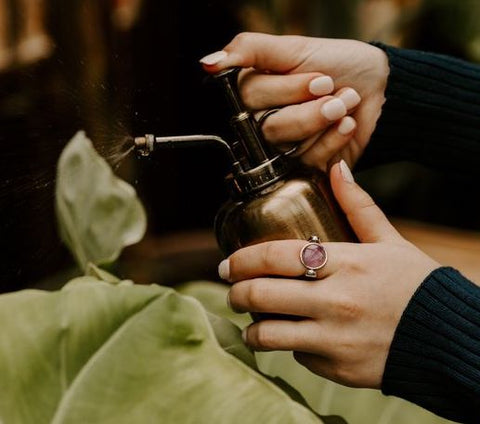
(98, 214)
(102, 350)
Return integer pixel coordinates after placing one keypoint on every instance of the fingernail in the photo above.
(244, 335)
(321, 85)
(334, 109)
(346, 173)
(346, 126)
(350, 97)
(214, 58)
(224, 270)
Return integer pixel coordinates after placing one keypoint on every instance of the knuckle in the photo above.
(348, 308)
(341, 374)
(235, 263)
(350, 263)
(242, 38)
(234, 299)
(248, 93)
(269, 129)
(317, 156)
(365, 201)
(270, 256)
(256, 295)
(305, 127)
(263, 337)
(311, 122)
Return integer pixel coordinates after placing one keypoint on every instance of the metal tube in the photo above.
(146, 145)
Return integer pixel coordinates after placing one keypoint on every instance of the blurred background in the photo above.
(118, 68)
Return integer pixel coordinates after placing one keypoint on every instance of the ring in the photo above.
(261, 120)
(313, 257)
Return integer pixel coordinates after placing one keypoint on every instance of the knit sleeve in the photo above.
(431, 114)
(434, 359)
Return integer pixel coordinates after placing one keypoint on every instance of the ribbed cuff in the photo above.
(434, 359)
(431, 114)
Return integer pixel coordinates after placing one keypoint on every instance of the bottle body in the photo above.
(297, 207)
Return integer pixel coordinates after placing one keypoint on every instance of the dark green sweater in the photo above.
(432, 116)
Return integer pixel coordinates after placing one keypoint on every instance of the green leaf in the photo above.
(98, 214)
(325, 397)
(213, 297)
(355, 405)
(100, 353)
(229, 336)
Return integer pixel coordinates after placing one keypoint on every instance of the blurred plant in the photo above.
(98, 214)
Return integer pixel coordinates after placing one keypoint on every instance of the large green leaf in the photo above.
(357, 406)
(100, 353)
(98, 213)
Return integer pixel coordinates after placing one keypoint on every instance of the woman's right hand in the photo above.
(300, 75)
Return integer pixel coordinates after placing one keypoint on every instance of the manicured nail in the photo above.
(321, 85)
(350, 97)
(346, 126)
(346, 173)
(214, 58)
(334, 109)
(244, 335)
(224, 270)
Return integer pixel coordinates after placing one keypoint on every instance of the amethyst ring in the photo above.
(313, 257)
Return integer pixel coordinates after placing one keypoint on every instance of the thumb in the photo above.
(277, 53)
(367, 220)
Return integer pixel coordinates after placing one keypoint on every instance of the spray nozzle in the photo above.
(146, 144)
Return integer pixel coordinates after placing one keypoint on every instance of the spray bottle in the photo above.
(273, 196)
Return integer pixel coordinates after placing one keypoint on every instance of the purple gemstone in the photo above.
(314, 256)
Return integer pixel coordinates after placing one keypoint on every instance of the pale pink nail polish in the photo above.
(214, 58)
(321, 85)
(346, 126)
(334, 109)
(224, 270)
(346, 173)
(350, 97)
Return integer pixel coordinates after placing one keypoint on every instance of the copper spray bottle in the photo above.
(273, 196)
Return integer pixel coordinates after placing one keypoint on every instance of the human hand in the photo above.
(351, 311)
(299, 73)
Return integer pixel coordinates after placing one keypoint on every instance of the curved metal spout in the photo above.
(147, 144)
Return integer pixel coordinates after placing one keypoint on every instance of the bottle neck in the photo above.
(252, 146)
(254, 180)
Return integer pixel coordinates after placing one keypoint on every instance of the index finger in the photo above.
(277, 53)
(279, 257)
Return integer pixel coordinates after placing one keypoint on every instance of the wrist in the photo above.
(380, 70)
(434, 354)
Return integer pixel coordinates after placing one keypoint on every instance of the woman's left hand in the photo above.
(351, 310)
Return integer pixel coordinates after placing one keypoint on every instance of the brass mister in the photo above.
(273, 196)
